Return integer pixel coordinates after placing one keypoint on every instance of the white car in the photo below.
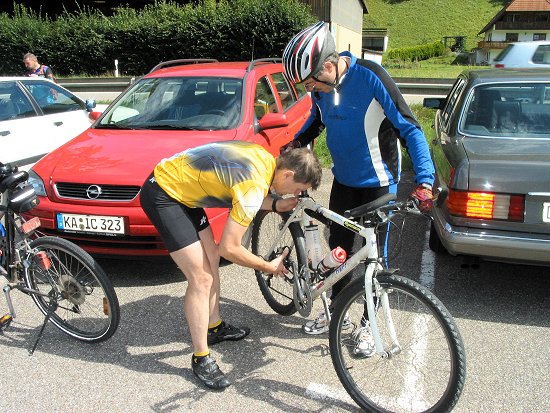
(524, 55)
(37, 116)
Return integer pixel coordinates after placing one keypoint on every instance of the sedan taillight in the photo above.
(486, 205)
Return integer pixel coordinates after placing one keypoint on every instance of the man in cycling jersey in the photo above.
(35, 69)
(366, 117)
(238, 175)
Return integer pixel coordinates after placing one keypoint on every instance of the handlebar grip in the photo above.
(11, 181)
(371, 206)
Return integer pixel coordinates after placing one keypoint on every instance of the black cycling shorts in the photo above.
(177, 224)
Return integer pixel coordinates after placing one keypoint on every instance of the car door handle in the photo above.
(5, 133)
(58, 123)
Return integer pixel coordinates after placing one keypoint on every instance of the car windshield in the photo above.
(184, 103)
(509, 110)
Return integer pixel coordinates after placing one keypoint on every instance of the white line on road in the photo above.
(427, 265)
(322, 392)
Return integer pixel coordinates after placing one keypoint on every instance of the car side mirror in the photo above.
(93, 116)
(90, 105)
(434, 103)
(273, 120)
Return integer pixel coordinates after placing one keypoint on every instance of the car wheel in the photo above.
(435, 242)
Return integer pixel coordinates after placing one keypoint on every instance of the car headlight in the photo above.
(37, 183)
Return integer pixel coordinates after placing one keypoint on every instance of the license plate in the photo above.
(91, 223)
(546, 212)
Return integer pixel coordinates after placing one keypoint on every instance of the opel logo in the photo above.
(93, 191)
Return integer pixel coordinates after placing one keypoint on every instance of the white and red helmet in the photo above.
(305, 54)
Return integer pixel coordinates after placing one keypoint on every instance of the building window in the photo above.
(541, 17)
(539, 36)
(511, 37)
(373, 43)
(511, 17)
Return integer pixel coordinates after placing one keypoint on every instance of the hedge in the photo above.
(416, 53)
(88, 42)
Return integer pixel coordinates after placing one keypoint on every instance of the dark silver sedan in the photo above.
(492, 159)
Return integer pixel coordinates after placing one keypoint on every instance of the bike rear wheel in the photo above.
(82, 297)
(426, 375)
(278, 291)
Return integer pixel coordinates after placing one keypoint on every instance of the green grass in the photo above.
(415, 22)
(437, 67)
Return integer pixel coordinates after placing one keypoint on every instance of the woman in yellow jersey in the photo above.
(238, 175)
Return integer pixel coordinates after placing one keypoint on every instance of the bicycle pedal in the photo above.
(5, 320)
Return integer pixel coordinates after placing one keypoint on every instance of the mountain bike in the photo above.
(65, 282)
(419, 364)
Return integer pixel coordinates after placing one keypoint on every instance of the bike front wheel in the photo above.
(424, 371)
(75, 291)
(278, 291)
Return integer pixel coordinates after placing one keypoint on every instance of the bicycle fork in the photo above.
(372, 289)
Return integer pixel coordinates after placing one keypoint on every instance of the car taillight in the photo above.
(499, 65)
(486, 205)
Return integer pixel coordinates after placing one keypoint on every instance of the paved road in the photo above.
(503, 312)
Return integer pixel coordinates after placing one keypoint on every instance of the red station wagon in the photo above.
(89, 188)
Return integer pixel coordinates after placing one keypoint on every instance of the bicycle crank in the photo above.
(302, 293)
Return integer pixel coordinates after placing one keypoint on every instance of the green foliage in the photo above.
(26, 32)
(416, 53)
(88, 42)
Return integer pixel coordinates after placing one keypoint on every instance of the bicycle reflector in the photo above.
(43, 260)
(30, 225)
(486, 205)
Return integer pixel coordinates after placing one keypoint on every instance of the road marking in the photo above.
(322, 392)
(427, 265)
(413, 389)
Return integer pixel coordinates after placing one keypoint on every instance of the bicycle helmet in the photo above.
(305, 54)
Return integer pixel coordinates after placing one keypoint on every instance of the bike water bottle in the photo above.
(332, 260)
(313, 244)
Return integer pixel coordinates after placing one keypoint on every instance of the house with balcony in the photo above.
(518, 21)
(346, 21)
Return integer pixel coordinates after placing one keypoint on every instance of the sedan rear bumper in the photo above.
(493, 245)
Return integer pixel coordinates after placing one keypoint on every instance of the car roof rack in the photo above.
(263, 60)
(169, 63)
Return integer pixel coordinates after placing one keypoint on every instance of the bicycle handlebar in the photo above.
(384, 204)
(370, 207)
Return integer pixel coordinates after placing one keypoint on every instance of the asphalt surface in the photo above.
(503, 313)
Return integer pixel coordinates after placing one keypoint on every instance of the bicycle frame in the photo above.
(368, 252)
(13, 262)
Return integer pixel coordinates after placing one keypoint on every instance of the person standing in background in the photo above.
(35, 69)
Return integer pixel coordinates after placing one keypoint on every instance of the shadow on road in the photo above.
(153, 339)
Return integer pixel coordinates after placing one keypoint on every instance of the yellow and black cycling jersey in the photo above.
(231, 174)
